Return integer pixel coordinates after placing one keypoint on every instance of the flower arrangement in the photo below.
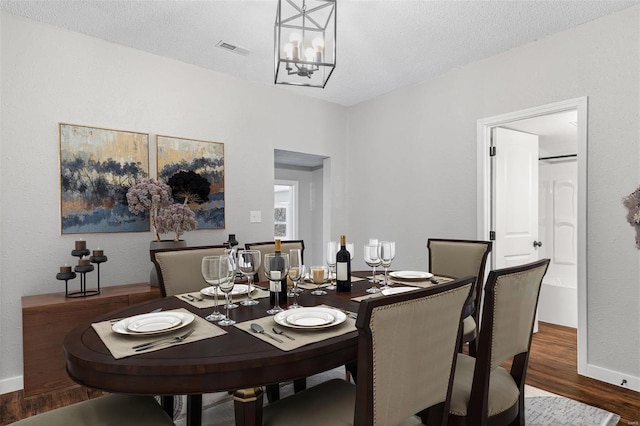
(632, 203)
(155, 197)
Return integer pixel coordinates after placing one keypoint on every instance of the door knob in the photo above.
(537, 244)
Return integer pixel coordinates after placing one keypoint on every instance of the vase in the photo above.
(162, 244)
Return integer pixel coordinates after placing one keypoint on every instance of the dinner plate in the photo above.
(411, 275)
(306, 315)
(396, 290)
(152, 323)
(238, 289)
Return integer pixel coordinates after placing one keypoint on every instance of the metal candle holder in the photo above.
(83, 267)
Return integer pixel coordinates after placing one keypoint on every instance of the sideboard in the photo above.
(47, 318)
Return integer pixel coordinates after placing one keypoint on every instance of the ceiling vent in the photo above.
(231, 48)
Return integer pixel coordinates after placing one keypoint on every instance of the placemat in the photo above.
(421, 284)
(121, 345)
(302, 337)
(309, 285)
(209, 302)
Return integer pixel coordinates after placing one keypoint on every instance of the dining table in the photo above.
(233, 360)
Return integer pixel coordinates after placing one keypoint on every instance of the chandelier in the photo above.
(305, 42)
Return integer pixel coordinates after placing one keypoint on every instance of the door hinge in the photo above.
(492, 235)
(492, 151)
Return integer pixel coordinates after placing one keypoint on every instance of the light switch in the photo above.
(255, 216)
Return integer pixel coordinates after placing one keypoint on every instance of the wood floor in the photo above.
(552, 367)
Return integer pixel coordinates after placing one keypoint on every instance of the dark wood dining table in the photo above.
(236, 361)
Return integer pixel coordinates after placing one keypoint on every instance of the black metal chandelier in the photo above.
(305, 42)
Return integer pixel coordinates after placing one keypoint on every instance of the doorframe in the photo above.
(484, 130)
(293, 211)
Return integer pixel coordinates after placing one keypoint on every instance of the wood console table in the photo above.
(47, 318)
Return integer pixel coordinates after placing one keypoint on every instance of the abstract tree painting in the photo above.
(97, 167)
(184, 164)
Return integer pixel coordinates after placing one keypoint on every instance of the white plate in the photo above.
(122, 326)
(238, 289)
(281, 318)
(397, 290)
(310, 318)
(150, 323)
(411, 275)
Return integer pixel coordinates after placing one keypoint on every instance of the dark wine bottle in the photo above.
(278, 286)
(343, 267)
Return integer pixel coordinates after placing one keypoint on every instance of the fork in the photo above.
(164, 341)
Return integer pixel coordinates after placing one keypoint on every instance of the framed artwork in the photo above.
(281, 221)
(194, 169)
(97, 167)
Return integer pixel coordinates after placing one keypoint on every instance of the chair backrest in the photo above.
(180, 269)
(270, 247)
(407, 351)
(460, 258)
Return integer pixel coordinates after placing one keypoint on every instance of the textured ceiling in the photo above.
(381, 46)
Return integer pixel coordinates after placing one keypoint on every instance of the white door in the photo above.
(515, 197)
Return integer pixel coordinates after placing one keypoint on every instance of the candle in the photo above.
(84, 261)
(98, 253)
(81, 244)
(65, 269)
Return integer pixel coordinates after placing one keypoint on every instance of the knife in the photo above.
(166, 340)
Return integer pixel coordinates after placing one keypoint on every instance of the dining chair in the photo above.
(484, 393)
(179, 268)
(459, 258)
(270, 247)
(108, 410)
(407, 349)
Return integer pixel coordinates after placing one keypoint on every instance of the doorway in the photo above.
(485, 201)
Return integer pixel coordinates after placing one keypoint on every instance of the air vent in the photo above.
(232, 48)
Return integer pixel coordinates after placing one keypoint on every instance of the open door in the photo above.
(514, 158)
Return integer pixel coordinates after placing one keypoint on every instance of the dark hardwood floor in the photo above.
(552, 367)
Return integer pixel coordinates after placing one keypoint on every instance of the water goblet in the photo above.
(276, 267)
(386, 253)
(210, 271)
(226, 279)
(248, 265)
(318, 275)
(233, 261)
(332, 249)
(372, 259)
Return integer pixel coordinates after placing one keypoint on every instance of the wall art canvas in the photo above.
(97, 167)
(194, 169)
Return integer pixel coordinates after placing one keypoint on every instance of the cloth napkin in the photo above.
(208, 302)
(121, 345)
(302, 337)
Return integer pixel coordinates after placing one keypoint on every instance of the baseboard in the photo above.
(11, 384)
(612, 377)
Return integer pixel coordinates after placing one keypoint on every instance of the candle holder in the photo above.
(83, 267)
(98, 260)
(83, 292)
(66, 276)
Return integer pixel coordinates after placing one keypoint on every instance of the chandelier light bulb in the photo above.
(318, 43)
(295, 38)
(309, 54)
(288, 50)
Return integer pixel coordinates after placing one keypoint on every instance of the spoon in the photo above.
(282, 333)
(258, 329)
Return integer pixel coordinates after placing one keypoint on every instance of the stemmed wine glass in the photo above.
(233, 259)
(386, 253)
(226, 278)
(332, 249)
(210, 268)
(296, 271)
(372, 259)
(248, 265)
(276, 267)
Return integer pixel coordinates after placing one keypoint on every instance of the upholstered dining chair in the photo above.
(407, 349)
(179, 268)
(459, 258)
(484, 393)
(270, 247)
(108, 410)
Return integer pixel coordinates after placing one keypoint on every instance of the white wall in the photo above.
(50, 75)
(417, 147)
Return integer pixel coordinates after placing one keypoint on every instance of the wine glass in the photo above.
(226, 278)
(296, 270)
(332, 249)
(318, 274)
(276, 267)
(248, 265)
(386, 253)
(372, 259)
(233, 261)
(210, 267)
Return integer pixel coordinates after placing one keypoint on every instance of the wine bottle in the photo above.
(278, 286)
(343, 267)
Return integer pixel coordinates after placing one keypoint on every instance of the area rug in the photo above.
(542, 408)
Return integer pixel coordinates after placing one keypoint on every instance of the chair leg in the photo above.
(273, 392)
(299, 385)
